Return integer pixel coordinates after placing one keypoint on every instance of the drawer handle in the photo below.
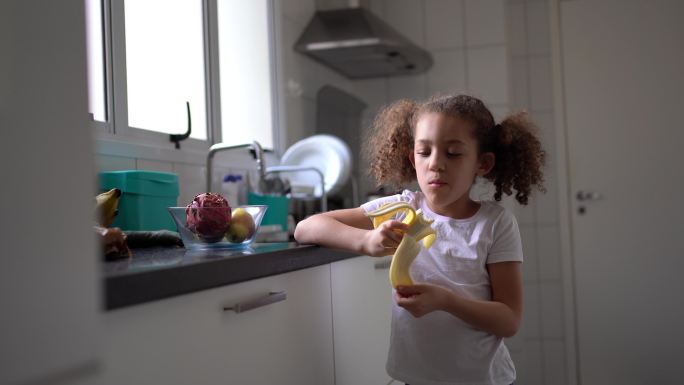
(383, 265)
(272, 297)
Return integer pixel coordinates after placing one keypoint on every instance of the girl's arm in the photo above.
(500, 316)
(352, 230)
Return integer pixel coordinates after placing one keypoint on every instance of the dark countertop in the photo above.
(157, 273)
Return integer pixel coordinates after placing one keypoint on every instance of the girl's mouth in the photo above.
(436, 183)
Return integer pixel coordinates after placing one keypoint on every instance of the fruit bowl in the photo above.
(240, 230)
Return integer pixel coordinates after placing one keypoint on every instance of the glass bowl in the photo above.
(239, 232)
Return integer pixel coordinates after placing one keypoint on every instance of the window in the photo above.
(164, 53)
(165, 65)
(245, 65)
(96, 62)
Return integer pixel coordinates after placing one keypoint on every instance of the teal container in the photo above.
(278, 208)
(145, 197)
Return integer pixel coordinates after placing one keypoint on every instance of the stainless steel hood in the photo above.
(359, 45)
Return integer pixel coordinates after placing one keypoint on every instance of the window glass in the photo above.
(96, 63)
(165, 65)
(245, 67)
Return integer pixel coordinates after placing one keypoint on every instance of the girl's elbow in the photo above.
(304, 231)
(300, 232)
(510, 330)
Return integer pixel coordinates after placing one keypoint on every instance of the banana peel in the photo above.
(419, 229)
(106, 207)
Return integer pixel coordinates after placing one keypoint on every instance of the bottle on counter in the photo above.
(234, 189)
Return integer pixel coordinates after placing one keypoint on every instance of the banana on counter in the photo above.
(113, 240)
(419, 228)
(106, 206)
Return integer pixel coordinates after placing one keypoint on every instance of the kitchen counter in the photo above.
(157, 273)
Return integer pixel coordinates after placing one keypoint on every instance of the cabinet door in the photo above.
(191, 339)
(362, 312)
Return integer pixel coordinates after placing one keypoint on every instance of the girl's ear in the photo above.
(412, 158)
(486, 164)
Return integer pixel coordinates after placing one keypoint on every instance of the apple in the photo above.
(242, 226)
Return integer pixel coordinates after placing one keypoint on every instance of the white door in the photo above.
(623, 76)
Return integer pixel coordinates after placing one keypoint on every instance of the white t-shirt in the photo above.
(439, 348)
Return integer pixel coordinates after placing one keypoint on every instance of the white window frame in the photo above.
(116, 137)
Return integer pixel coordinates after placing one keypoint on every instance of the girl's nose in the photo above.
(436, 163)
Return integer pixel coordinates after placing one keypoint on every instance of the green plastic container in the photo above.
(145, 197)
(278, 208)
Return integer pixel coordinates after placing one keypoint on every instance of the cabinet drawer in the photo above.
(237, 334)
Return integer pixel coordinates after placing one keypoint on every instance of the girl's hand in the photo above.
(385, 239)
(421, 299)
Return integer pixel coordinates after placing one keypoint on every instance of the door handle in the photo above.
(588, 196)
(268, 299)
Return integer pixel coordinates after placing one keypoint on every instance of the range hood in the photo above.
(359, 45)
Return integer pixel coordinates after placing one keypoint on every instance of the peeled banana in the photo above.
(419, 228)
(106, 207)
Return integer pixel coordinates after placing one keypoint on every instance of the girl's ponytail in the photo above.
(390, 143)
(519, 158)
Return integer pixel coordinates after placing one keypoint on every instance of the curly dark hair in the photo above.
(519, 155)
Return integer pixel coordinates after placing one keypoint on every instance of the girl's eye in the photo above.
(423, 153)
(453, 154)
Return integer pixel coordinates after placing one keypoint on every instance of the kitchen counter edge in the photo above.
(123, 290)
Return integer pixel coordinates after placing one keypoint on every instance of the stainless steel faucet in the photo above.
(261, 167)
(218, 147)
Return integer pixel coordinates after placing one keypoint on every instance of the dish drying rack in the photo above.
(261, 168)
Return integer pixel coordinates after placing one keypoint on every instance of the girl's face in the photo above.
(446, 158)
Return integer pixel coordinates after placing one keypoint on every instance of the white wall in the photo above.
(542, 341)
(49, 274)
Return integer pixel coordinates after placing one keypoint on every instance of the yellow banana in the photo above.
(106, 205)
(419, 228)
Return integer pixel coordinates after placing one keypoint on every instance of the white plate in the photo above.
(327, 153)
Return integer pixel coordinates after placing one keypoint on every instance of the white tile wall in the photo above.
(488, 74)
(444, 24)
(448, 74)
(407, 87)
(541, 94)
(547, 204)
(519, 83)
(407, 16)
(299, 11)
(191, 181)
(373, 91)
(538, 37)
(526, 215)
(528, 364)
(517, 28)
(531, 326)
(548, 238)
(555, 369)
(543, 359)
(485, 22)
(153, 165)
(114, 163)
(530, 266)
(552, 309)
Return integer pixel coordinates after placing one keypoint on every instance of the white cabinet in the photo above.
(191, 339)
(362, 312)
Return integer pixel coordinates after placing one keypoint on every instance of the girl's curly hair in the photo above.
(518, 152)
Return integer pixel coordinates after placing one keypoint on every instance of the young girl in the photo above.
(448, 327)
